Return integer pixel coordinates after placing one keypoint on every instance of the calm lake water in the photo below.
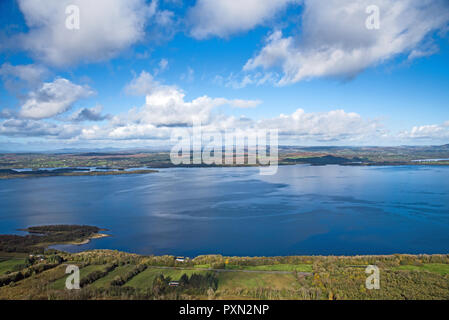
(235, 211)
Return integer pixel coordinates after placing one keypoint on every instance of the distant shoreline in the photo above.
(8, 174)
(24, 165)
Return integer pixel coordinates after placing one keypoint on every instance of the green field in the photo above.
(34, 287)
(60, 283)
(439, 268)
(144, 280)
(203, 266)
(275, 267)
(9, 265)
(243, 280)
(118, 272)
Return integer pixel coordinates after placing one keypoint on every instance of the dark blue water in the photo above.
(235, 211)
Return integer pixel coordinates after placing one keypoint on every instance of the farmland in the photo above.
(111, 275)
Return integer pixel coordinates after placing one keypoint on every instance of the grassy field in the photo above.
(233, 280)
(9, 265)
(105, 281)
(34, 288)
(440, 268)
(203, 266)
(144, 280)
(275, 267)
(60, 283)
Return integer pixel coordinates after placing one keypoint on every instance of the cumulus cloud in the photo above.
(166, 106)
(35, 128)
(239, 103)
(299, 127)
(223, 17)
(296, 128)
(29, 72)
(335, 41)
(53, 98)
(89, 114)
(106, 28)
(167, 110)
(7, 114)
(427, 132)
(335, 125)
(142, 85)
(19, 77)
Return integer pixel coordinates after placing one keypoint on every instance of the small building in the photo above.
(173, 283)
(180, 259)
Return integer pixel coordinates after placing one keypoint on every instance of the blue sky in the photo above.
(134, 69)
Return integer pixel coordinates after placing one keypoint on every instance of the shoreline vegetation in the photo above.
(108, 274)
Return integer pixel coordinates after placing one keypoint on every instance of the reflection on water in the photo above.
(235, 211)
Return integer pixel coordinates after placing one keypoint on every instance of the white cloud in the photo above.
(89, 114)
(428, 132)
(166, 105)
(164, 18)
(106, 28)
(335, 41)
(53, 98)
(35, 128)
(157, 121)
(335, 125)
(167, 110)
(153, 122)
(223, 17)
(7, 114)
(163, 64)
(241, 80)
(29, 72)
(143, 84)
(161, 67)
(239, 103)
(21, 76)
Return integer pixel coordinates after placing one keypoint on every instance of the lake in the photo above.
(302, 210)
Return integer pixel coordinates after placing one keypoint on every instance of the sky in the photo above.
(131, 73)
